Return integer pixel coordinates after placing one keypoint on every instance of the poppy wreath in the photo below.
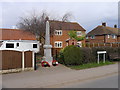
(45, 64)
(54, 63)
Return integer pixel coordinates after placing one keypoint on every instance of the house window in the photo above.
(92, 37)
(17, 44)
(113, 36)
(79, 33)
(79, 44)
(58, 32)
(108, 36)
(34, 45)
(58, 44)
(9, 45)
(87, 37)
(1, 43)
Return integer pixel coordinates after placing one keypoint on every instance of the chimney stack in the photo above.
(115, 26)
(104, 24)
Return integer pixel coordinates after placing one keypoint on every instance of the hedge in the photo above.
(73, 55)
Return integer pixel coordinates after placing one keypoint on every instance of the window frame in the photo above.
(58, 32)
(114, 36)
(36, 45)
(1, 43)
(79, 34)
(92, 37)
(11, 44)
(58, 44)
(17, 44)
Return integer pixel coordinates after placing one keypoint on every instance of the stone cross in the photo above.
(47, 47)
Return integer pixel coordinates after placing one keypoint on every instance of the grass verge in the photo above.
(91, 65)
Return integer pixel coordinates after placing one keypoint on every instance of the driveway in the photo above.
(54, 77)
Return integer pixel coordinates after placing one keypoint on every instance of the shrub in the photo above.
(61, 57)
(72, 55)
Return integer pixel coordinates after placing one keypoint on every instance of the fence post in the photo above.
(93, 45)
(23, 61)
(98, 59)
(33, 60)
(111, 44)
(98, 44)
(104, 58)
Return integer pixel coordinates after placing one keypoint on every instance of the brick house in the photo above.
(103, 34)
(59, 34)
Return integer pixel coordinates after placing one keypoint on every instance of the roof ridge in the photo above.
(62, 21)
(9, 29)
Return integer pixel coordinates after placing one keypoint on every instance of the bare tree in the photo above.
(66, 17)
(36, 25)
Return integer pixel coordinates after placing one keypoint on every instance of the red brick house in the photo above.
(103, 34)
(59, 34)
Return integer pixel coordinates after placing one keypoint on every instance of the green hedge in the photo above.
(73, 55)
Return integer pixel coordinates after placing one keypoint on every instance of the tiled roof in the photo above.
(16, 34)
(60, 25)
(101, 30)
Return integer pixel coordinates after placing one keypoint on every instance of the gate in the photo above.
(28, 59)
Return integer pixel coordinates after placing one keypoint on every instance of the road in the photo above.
(103, 82)
(61, 76)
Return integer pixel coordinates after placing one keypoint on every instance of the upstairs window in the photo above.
(92, 37)
(79, 33)
(58, 44)
(34, 45)
(9, 45)
(113, 36)
(58, 32)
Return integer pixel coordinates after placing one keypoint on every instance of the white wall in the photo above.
(24, 45)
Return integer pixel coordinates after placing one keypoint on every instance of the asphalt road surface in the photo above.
(61, 76)
(103, 82)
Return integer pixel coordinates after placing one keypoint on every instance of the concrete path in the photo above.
(54, 77)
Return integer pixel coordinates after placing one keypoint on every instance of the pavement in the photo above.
(55, 77)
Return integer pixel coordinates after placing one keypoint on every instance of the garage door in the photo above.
(11, 59)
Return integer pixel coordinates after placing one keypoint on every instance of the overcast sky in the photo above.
(87, 14)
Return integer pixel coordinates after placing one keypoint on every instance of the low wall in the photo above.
(15, 70)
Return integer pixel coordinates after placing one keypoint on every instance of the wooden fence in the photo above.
(101, 45)
(13, 59)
